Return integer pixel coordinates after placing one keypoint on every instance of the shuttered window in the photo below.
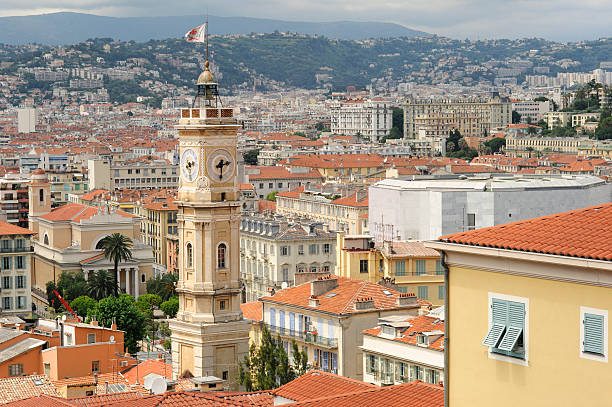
(423, 292)
(507, 325)
(400, 268)
(593, 333)
(420, 267)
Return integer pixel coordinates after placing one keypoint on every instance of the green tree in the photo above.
(51, 297)
(81, 305)
(164, 286)
(267, 366)
(300, 359)
(271, 196)
(496, 144)
(129, 318)
(320, 126)
(516, 117)
(71, 284)
(146, 302)
(170, 307)
(117, 248)
(100, 285)
(604, 129)
(250, 157)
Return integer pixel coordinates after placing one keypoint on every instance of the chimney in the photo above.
(364, 303)
(322, 285)
(114, 324)
(94, 321)
(406, 300)
(313, 301)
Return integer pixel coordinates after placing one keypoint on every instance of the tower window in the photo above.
(189, 255)
(41, 195)
(46, 239)
(221, 249)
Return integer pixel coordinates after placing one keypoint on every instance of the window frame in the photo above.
(498, 356)
(589, 355)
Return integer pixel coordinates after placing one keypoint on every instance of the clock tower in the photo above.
(209, 335)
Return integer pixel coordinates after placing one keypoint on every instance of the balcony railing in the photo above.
(16, 249)
(307, 337)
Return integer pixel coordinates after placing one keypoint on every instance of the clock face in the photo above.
(220, 165)
(189, 165)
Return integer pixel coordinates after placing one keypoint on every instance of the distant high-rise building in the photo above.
(26, 120)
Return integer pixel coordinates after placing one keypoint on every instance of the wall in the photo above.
(554, 345)
(75, 361)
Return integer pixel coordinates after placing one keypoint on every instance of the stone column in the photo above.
(136, 282)
(127, 281)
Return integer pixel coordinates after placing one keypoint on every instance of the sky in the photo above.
(559, 20)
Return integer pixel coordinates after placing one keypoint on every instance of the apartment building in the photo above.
(326, 316)
(442, 123)
(274, 248)
(598, 149)
(409, 266)
(348, 214)
(426, 209)
(528, 302)
(66, 182)
(558, 119)
(15, 271)
(531, 111)
(14, 199)
(580, 119)
(401, 350)
(369, 118)
(528, 146)
(492, 113)
(158, 214)
(132, 174)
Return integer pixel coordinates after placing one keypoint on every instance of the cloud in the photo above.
(554, 19)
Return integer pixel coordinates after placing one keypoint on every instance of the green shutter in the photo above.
(400, 268)
(439, 268)
(441, 292)
(593, 333)
(515, 325)
(423, 292)
(499, 314)
(420, 267)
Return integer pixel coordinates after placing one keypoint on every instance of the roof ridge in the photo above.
(363, 284)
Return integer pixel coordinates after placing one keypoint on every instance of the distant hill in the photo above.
(71, 28)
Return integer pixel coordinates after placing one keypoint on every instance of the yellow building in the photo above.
(413, 267)
(527, 311)
(593, 148)
(158, 214)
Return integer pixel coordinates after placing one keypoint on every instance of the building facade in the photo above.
(132, 174)
(514, 287)
(274, 248)
(15, 271)
(369, 118)
(520, 146)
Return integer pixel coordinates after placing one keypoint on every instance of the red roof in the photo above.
(316, 384)
(252, 310)
(137, 373)
(352, 201)
(76, 212)
(265, 205)
(348, 292)
(423, 323)
(10, 229)
(584, 233)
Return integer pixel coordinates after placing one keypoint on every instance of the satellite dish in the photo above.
(148, 382)
(112, 338)
(284, 285)
(159, 385)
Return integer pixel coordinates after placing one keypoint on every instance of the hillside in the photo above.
(71, 28)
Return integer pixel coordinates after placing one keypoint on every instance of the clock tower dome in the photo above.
(209, 335)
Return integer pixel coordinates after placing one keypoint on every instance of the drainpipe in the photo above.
(446, 329)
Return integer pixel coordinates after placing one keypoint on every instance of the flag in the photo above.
(197, 34)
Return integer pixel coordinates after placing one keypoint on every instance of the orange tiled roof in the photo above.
(18, 388)
(413, 394)
(137, 374)
(252, 310)
(348, 291)
(265, 205)
(423, 323)
(583, 233)
(76, 212)
(317, 384)
(10, 229)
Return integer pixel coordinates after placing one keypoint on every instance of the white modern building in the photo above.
(529, 109)
(26, 120)
(370, 118)
(426, 209)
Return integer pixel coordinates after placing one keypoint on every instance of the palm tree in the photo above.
(116, 248)
(100, 285)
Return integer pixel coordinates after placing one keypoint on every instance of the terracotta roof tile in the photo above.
(317, 384)
(423, 323)
(18, 388)
(583, 233)
(10, 229)
(252, 310)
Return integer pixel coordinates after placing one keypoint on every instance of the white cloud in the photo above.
(553, 19)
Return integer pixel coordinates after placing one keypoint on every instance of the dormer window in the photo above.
(387, 330)
(422, 340)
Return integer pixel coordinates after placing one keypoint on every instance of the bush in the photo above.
(170, 307)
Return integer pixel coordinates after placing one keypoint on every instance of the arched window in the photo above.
(221, 249)
(41, 195)
(189, 255)
(100, 244)
(46, 239)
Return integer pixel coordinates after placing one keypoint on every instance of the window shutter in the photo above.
(515, 325)
(499, 314)
(593, 333)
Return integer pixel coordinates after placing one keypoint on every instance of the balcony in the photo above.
(307, 337)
